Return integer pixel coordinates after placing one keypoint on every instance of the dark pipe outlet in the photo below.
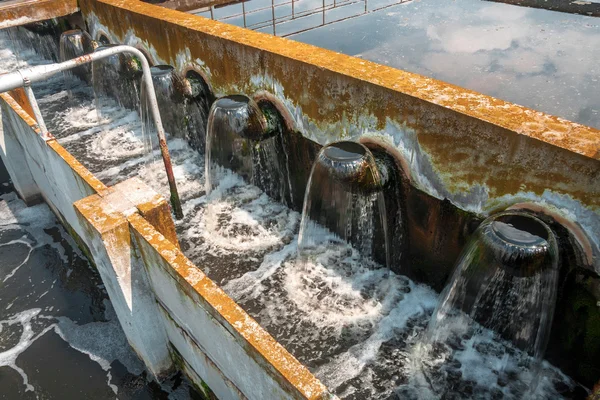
(198, 99)
(118, 77)
(75, 43)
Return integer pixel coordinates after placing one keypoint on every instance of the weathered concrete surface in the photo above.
(151, 205)
(59, 178)
(17, 164)
(222, 344)
(20, 12)
(124, 276)
(480, 153)
(189, 5)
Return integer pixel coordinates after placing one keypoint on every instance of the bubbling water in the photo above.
(500, 301)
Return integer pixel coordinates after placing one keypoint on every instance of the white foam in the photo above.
(8, 357)
(32, 219)
(102, 342)
(29, 244)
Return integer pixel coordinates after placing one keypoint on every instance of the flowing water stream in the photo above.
(355, 324)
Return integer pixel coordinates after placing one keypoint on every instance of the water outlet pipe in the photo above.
(25, 77)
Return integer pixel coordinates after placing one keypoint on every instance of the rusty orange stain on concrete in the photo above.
(191, 276)
(25, 116)
(151, 205)
(94, 211)
(145, 19)
(19, 12)
(19, 96)
(71, 161)
(469, 138)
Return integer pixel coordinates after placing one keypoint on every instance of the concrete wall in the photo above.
(43, 168)
(15, 13)
(480, 153)
(464, 155)
(173, 315)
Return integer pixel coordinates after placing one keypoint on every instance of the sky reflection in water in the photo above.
(540, 59)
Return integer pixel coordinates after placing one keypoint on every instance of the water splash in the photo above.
(116, 77)
(500, 302)
(343, 194)
(76, 43)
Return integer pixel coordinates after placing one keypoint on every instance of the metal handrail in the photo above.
(295, 15)
(25, 77)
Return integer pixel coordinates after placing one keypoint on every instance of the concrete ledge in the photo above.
(21, 12)
(190, 5)
(142, 17)
(480, 153)
(204, 319)
(106, 229)
(566, 6)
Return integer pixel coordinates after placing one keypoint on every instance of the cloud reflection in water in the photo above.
(540, 59)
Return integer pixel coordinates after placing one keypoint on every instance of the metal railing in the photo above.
(275, 21)
(25, 77)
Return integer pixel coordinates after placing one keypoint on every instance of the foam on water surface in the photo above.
(35, 277)
(357, 326)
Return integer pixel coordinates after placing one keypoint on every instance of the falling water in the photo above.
(27, 46)
(343, 195)
(169, 97)
(198, 101)
(41, 36)
(75, 43)
(498, 307)
(117, 77)
(235, 126)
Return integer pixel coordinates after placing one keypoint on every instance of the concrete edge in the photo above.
(230, 313)
(75, 165)
(581, 139)
(28, 11)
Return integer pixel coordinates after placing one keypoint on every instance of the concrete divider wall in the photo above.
(173, 315)
(15, 13)
(224, 345)
(480, 153)
(43, 169)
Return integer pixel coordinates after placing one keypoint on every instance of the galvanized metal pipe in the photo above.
(24, 77)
